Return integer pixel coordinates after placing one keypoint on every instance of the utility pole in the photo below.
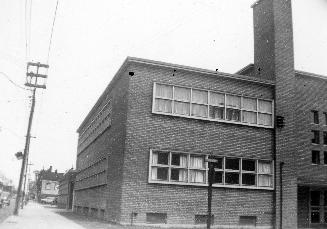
(31, 81)
(28, 166)
(211, 174)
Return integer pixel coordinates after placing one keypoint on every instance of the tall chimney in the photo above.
(274, 60)
(273, 37)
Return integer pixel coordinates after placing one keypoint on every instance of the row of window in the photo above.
(315, 117)
(214, 106)
(101, 122)
(316, 137)
(187, 168)
(93, 180)
(316, 157)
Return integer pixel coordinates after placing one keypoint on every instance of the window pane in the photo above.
(160, 158)
(217, 99)
(325, 198)
(325, 157)
(325, 137)
(264, 167)
(315, 217)
(248, 165)
(315, 157)
(197, 162)
(183, 94)
(233, 101)
(162, 105)
(249, 104)
(164, 91)
(265, 181)
(217, 112)
(199, 110)
(159, 173)
(182, 108)
(232, 178)
(178, 175)
(199, 96)
(315, 118)
(315, 198)
(249, 117)
(265, 106)
(219, 164)
(196, 176)
(232, 163)
(179, 160)
(233, 115)
(265, 119)
(248, 179)
(315, 138)
(218, 179)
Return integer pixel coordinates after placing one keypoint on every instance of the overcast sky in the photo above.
(91, 40)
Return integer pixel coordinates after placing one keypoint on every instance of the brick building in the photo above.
(142, 147)
(47, 183)
(66, 189)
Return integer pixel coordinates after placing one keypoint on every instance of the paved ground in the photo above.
(6, 211)
(36, 216)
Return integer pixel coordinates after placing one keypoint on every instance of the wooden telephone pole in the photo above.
(31, 81)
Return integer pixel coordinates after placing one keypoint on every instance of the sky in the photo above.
(91, 39)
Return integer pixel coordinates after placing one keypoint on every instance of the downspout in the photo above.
(281, 164)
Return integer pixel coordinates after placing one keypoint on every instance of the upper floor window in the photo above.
(325, 137)
(188, 168)
(315, 117)
(214, 106)
(315, 136)
(315, 158)
(325, 117)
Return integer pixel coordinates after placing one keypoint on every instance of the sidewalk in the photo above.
(35, 216)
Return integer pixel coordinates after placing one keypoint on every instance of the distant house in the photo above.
(47, 183)
(66, 188)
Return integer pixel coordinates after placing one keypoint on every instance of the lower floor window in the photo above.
(189, 168)
(318, 206)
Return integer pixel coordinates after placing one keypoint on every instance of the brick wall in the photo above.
(109, 145)
(310, 95)
(146, 130)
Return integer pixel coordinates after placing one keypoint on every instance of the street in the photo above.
(6, 211)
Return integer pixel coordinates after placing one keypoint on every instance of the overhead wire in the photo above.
(11, 81)
(51, 34)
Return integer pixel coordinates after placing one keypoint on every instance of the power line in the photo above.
(11, 81)
(28, 21)
(53, 23)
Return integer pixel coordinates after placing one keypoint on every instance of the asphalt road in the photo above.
(6, 211)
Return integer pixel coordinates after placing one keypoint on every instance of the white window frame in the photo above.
(154, 97)
(224, 170)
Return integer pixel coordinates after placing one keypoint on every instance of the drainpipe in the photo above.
(281, 164)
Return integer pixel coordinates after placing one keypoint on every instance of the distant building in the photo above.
(142, 149)
(66, 190)
(6, 187)
(47, 183)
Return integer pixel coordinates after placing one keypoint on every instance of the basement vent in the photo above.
(156, 218)
(248, 221)
(202, 219)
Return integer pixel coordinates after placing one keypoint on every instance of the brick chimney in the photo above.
(274, 60)
(273, 37)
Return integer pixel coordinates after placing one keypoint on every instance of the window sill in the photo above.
(213, 120)
(214, 185)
